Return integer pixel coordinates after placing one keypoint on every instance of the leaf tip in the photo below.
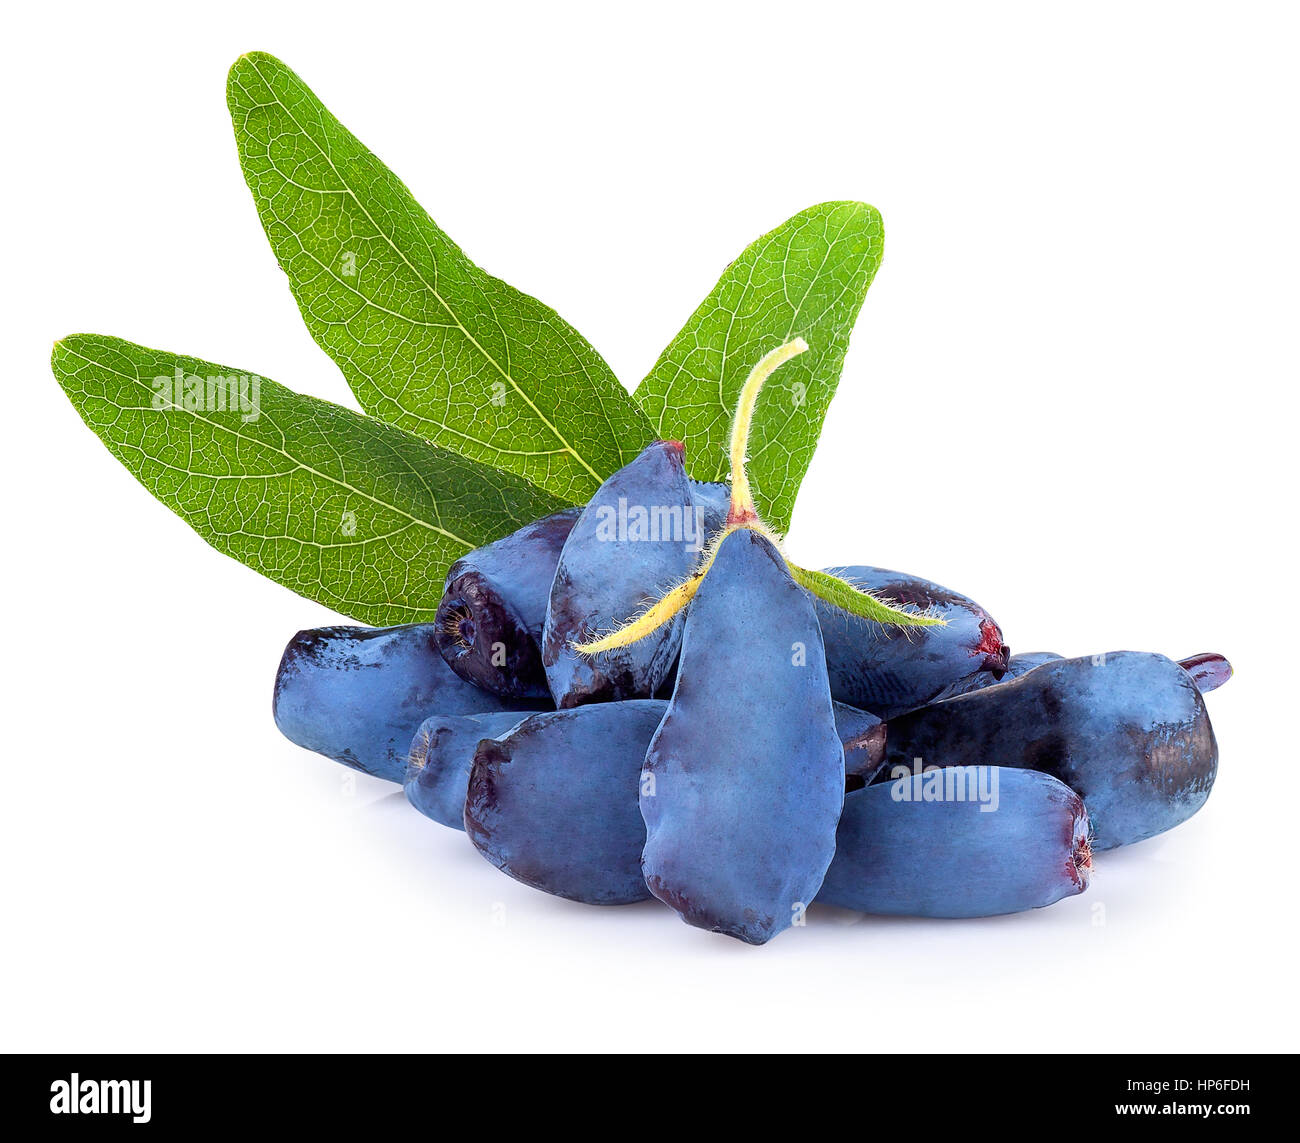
(62, 347)
(248, 60)
(256, 58)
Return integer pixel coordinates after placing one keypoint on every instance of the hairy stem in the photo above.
(742, 498)
(743, 514)
(657, 614)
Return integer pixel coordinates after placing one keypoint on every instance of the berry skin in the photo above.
(489, 623)
(442, 753)
(713, 500)
(1017, 665)
(358, 694)
(899, 852)
(553, 803)
(889, 670)
(863, 736)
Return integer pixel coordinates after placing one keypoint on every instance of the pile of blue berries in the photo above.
(643, 697)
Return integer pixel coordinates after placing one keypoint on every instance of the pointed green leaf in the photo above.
(807, 278)
(848, 597)
(426, 339)
(344, 509)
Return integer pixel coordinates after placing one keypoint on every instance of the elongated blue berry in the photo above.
(744, 779)
(358, 694)
(961, 842)
(553, 802)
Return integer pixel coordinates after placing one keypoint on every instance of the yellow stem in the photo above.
(742, 498)
(658, 613)
(743, 514)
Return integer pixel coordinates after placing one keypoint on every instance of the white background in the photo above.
(1071, 395)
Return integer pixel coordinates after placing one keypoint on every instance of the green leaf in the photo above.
(807, 278)
(346, 510)
(426, 339)
(841, 593)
